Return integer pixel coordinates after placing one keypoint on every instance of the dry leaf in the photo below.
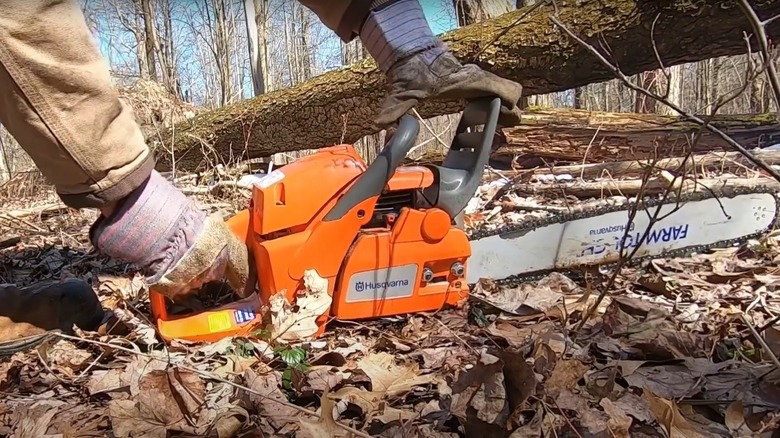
(519, 336)
(565, 376)
(523, 300)
(324, 379)
(234, 364)
(670, 381)
(121, 288)
(479, 397)
(32, 421)
(772, 338)
(127, 421)
(105, 381)
(311, 304)
(68, 358)
(229, 423)
(735, 420)
(596, 421)
(387, 379)
(172, 397)
(619, 422)
(325, 426)
(387, 414)
(568, 400)
(271, 403)
(140, 330)
(636, 407)
(670, 418)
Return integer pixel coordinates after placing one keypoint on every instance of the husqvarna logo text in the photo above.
(361, 286)
(382, 283)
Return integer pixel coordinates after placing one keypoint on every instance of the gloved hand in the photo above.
(419, 66)
(438, 74)
(178, 247)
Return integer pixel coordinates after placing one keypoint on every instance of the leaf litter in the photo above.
(667, 353)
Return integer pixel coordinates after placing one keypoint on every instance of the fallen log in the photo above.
(633, 187)
(553, 136)
(339, 106)
(564, 135)
(724, 161)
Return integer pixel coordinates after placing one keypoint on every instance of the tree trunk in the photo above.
(168, 51)
(647, 80)
(303, 44)
(151, 34)
(340, 105)
(556, 136)
(222, 52)
(254, 11)
(473, 11)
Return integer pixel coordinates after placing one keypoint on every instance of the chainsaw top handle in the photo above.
(459, 175)
(373, 181)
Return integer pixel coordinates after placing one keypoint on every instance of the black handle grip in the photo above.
(373, 181)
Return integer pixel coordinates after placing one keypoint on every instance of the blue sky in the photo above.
(119, 45)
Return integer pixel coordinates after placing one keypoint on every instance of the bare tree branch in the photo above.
(694, 118)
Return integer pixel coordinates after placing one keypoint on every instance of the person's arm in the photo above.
(58, 102)
(417, 64)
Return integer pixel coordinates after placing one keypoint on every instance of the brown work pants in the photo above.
(58, 102)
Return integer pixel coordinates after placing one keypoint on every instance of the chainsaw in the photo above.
(391, 240)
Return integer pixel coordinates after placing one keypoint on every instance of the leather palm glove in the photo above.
(178, 247)
(418, 66)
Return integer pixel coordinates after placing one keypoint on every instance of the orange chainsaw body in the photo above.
(372, 232)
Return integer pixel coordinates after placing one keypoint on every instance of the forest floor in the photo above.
(671, 351)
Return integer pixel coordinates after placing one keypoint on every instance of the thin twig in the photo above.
(760, 341)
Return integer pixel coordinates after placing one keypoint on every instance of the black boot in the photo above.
(29, 315)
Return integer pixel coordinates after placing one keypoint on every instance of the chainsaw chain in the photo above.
(608, 206)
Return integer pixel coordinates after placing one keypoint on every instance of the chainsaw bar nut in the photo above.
(427, 275)
(457, 269)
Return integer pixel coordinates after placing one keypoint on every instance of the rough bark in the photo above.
(721, 162)
(340, 105)
(560, 136)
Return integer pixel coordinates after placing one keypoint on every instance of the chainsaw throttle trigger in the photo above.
(461, 171)
(374, 180)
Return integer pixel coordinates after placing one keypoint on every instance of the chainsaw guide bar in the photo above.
(591, 235)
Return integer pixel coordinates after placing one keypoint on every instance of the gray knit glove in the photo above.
(178, 247)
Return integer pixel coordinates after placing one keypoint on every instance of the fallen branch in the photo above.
(47, 209)
(635, 186)
(9, 242)
(563, 135)
(217, 187)
(712, 161)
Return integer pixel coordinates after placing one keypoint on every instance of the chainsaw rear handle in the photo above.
(374, 180)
